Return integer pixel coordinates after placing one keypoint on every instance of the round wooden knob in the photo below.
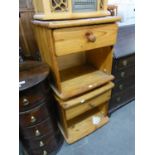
(91, 37)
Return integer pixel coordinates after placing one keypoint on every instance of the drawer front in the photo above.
(124, 73)
(122, 98)
(43, 141)
(51, 147)
(87, 105)
(125, 62)
(33, 97)
(124, 84)
(40, 129)
(72, 40)
(34, 116)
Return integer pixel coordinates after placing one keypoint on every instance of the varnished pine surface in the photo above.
(80, 79)
(78, 22)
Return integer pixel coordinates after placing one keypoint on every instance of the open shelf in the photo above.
(80, 79)
(84, 125)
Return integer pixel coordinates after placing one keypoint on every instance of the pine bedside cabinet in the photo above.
(79, 53)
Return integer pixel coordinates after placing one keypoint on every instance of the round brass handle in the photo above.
(33, 119)
(41, 144)
(44, 152)
(125, 62)
(25, 102)
(121, 86)
(118, 99)
(37, 133)
(122, 74)
(90, 37)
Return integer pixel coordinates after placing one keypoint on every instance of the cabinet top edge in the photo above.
(77, 22)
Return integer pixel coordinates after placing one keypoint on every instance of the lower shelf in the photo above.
(80, 79)
(84, 127)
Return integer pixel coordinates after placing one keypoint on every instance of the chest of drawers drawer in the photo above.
(122, 98)
(124, 62)
(43, 141)
(124, 84)
(72, 40)
(46, 146)
(40, 129)
(34, 116)
(124, 73)
(33, 97)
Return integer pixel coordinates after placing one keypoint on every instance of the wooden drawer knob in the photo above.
(90, 37)
(25, 102)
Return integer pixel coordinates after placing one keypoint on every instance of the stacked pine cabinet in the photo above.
(79, 53)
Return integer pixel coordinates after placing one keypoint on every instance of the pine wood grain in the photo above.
(78, 22)
(72, 40)
(85, 97)
(83, 125)
(80, 79)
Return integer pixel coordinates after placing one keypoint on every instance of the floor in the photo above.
(115, 138)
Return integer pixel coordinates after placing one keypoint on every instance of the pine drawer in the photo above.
(86, 102)
(72, 40)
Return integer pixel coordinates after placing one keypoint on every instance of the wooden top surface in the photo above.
(76, 22)
(32, 73)
(87, 96)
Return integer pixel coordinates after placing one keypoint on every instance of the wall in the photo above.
(125, 9)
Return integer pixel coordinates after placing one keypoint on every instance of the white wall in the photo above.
(125, 9)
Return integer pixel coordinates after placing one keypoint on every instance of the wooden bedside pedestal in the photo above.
(79, 53)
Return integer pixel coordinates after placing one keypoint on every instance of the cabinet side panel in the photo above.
(45, 43)
(101, 58)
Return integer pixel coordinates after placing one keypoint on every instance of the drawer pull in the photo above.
(125, 62)
(90, 86)
(41, 144)
(82, 101)
(120, 86)
(90, 37)
(118, 99)
(25, 102)
(44, 152)
(33, 119)
(122, 74)
(37, 133)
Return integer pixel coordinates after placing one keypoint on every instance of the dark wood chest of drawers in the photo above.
(38, 129)
(124, 90)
